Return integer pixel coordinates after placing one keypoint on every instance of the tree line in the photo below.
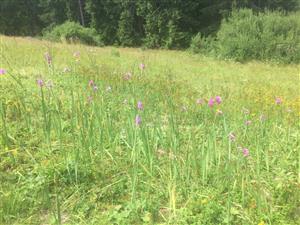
(154, 23)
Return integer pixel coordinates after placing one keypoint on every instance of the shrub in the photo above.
(73, 32)
(265, 36)
(201, 44)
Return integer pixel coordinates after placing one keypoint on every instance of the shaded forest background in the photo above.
(153, 23)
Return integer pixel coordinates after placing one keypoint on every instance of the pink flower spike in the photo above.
(40, 82)
(142, 66)
(91, 83)
(278, 101)
(211, 102)
(2, 71)
(245, 152)
(140, 105)
(138, 120)
(218, 99)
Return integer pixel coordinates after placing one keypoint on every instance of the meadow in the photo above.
(131, 136)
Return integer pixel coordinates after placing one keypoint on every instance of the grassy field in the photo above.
(130, 136)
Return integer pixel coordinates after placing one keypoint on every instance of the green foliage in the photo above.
(104, 16)
(71, 153)
(153, 31)
(20, 17)
(147, 23)
(264, 36)
(202, 44)
(53, 12)
(255, 33)
(287, 5)
(125, 31)
(175, 37)
(74, 32)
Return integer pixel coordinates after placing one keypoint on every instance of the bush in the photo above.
(270, 36)
(73, 32)
(201, 44)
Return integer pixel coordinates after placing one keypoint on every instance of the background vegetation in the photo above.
(164, 24)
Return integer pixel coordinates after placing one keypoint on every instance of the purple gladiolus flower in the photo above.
(140, 105)
(138, 120)
(278, 101)
(40, 82)
(211, 102)
(245, 152)
(142, 66)
(218, 99)
(48, 58)
(2, 71)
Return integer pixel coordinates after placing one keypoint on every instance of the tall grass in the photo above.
(73, 152)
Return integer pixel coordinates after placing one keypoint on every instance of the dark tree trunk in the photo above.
(81, 12)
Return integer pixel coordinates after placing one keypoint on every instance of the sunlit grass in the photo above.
(77, 147)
